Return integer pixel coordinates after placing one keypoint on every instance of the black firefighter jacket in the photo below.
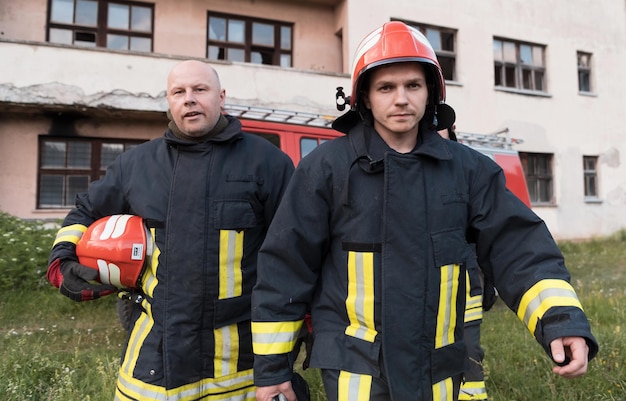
(208, 206)
(375, 243)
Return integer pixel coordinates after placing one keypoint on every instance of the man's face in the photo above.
(397, 96)
(195, 97)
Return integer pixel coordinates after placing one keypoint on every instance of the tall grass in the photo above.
(54, 349)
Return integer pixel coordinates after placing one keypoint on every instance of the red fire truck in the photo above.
(297, 133)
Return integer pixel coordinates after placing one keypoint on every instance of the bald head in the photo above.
(195, 97)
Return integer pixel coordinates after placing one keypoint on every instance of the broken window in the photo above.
(119, 25)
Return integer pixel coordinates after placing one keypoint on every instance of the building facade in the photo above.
(82, 80)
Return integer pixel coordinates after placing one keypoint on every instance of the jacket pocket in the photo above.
(332, 350)
(450, 247)
(448, 361)
(231, 310)
(233, 215)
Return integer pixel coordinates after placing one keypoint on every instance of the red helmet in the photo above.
(394, 42)
(119, 247)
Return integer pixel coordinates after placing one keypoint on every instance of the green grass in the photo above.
(54, 349)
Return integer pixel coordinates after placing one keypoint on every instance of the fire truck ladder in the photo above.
(282, 116)
(499, 139)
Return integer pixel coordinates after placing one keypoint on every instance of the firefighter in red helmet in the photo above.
(372, 238)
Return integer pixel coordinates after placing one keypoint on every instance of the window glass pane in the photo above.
(434, 38)
(538, 80)
(53, 154)
(118, 42)
(109, 153)
(79, 154)
(497, 73)
(262, 34)
(509, 53)
(285, 60)
(63, 36)
(217, 28)
(525, 54)
(447, 67)
(538, 56)
(235, 55)
(583, 60)
(141, 19)
(75, 184)
(140, 44)
(62, 11)
(262, 57)
(527, 77)
(447, 41)
(285, 38)
(51, 190)
(236, 31)
(497, 50)
(256, 58)
(509, 76)
(87, 12)
(216, 53)
(118, 16)
(307, 145)
(85, 39)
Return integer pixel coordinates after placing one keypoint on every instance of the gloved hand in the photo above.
(76, 283)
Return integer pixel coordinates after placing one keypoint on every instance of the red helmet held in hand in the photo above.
(119, 247)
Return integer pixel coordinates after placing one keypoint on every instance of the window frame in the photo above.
(501, 66)
(540, 183)
(448, 68)
(101, 30)
(247, 46)
(94, 172)
(590, 178)
(585, 71)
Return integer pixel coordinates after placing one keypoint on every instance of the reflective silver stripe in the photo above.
(442, 391)
(446, 313)
(353, 387)
(473, 391)
(542, 296)
(236, 387)
(72, 233)
(231, 252)
(360, 298)
(226, 350)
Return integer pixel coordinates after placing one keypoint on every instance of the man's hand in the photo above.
(77, 285)
(575, 350)
(268, 393)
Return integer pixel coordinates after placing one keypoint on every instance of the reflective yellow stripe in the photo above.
(442, 391)
(140, 331)
(542, 296)
(235, 387)
(473, 391)
(72, 233)
(473, 304)
(270, 338)
(231, 252)
(149, 280)
(226, 350)
(360, 299)
(446, 315)
(353, 387)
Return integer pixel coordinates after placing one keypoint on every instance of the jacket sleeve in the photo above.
(288, 265)
(518, 254)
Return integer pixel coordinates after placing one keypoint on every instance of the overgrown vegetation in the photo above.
(54, 349)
